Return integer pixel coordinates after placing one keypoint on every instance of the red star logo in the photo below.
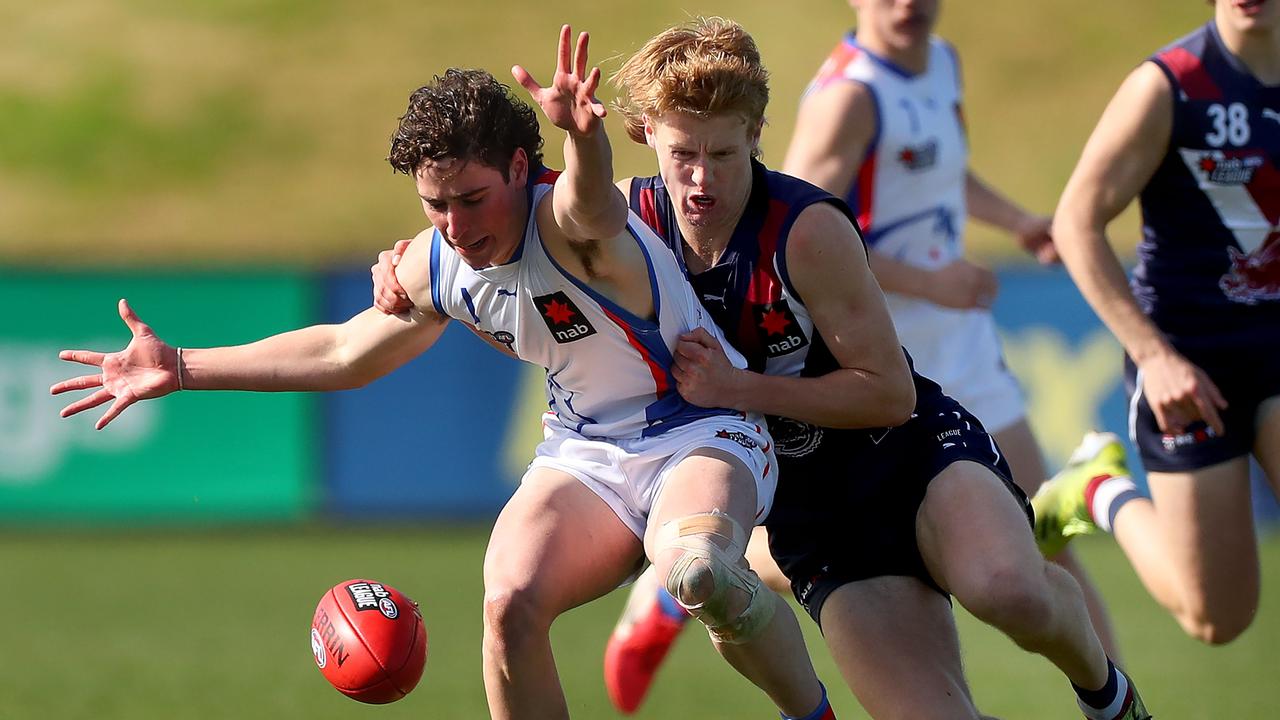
(1207, 164)
(907, 156)
(774, 322)
(558, 312)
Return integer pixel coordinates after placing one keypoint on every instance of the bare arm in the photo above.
(992, 207)
(834, 130)
(872, 387)
(320, 357)
(1121, 156)
(585, 206)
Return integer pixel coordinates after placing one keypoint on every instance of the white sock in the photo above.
(1110, 495)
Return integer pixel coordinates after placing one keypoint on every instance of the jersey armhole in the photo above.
(1175, 93)
(780, 255)
(435, 273)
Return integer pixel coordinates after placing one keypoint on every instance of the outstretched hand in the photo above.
(146, 368)
(569, 102)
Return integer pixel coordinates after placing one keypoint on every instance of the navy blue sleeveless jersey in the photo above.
(1209, 259)
(748, 291)
(847, 501)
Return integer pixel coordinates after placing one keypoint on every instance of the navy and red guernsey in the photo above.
(1209, 261)
(748, 291)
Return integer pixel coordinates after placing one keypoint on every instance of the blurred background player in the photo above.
(559, 272)
(882, 126)
(874, 526)
(1194, 134)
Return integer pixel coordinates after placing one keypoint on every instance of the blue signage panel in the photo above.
(435, 438)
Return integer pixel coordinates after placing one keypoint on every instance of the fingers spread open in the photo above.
(580, 55)
(83, 382)
(112, 412)
(86, 403)
(87, 357)
(526, 80)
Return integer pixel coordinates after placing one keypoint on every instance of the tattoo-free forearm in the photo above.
(845, 398)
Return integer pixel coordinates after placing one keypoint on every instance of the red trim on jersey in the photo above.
(649, 212)
(765, 286)
(548, 177)
(1265, 191)
(865, 186)
(661, 386)
(1194, 80)
(834, 66)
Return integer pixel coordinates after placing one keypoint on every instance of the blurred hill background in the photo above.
(239, 133)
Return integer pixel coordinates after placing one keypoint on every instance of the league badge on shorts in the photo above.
(779, 331)
(565, 321)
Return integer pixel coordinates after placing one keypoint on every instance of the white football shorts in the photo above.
(629, 474)
(960, 350)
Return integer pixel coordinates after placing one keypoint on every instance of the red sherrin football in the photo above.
(369, 641)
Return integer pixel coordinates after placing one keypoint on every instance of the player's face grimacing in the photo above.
(705, 163)
(902, 24)
(480, 214)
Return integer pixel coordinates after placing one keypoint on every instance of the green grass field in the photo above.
(214, 625)
(243, 132)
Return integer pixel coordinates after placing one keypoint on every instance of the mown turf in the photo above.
(215, 625)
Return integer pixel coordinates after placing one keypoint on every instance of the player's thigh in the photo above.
(1266, 443)
(971, 528)
(558, 544)
(1022, 452)
(705, 480)
(895, 642)
(1206, 524)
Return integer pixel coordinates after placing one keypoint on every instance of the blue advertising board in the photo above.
(447, 435)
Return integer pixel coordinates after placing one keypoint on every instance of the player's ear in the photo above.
(649, 133)
(518, 170)
(754, 135)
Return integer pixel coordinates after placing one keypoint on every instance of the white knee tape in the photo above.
(711, 547)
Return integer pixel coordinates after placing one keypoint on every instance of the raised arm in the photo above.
(320, 357)
(585, 204)
(872, 387)
(1121, 156)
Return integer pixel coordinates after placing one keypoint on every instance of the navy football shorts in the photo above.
(847, 500)
(1244, 381)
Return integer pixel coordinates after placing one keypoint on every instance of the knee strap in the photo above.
(717, 543)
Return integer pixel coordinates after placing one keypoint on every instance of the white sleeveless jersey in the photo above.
(608, 371)
(909, 191)
(909, 197)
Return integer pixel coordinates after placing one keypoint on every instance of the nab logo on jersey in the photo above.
(565, 321)
(779, 332)
(920, 157)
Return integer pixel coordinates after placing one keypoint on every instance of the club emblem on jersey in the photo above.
(919, 157)
(779, 332)
(1254, 277)
(794, 438)
(565, 321)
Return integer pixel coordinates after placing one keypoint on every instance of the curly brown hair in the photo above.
(708, 66)
(468, 115)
